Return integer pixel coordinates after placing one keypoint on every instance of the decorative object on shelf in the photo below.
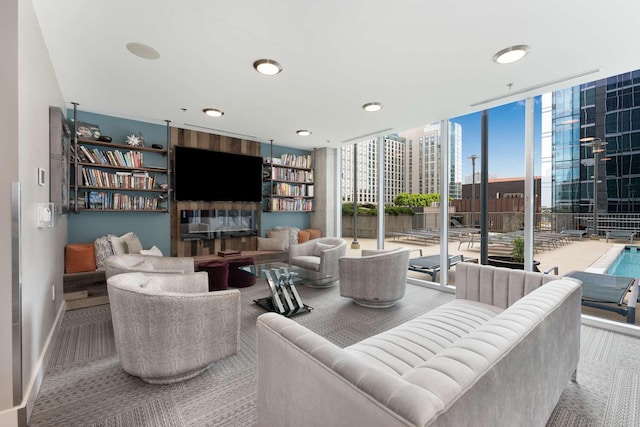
(141, 139)
(164, 186)
(134, 141)
(104, 138)
(88, 131)
(157, 146)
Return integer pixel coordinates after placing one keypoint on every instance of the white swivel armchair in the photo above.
(320, 258)
(169, 327)
(377, 279)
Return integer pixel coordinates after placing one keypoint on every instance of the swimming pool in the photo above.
(627, 264)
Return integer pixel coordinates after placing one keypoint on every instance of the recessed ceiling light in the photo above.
(143, 51)
(303, 132)
(213, 112)
(372, 106)
(511, 54)
(268, 67)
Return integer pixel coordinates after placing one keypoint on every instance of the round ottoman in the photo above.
(218, 272)
(240, 278)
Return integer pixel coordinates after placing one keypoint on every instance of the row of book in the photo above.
(291, 204)
(293, 190)
(129, 159)
(134, 180)
(284, 174)
(119, 201)
(300, 161)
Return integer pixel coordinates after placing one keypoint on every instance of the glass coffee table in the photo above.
(282, 279)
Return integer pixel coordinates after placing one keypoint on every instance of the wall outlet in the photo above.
(53, 292)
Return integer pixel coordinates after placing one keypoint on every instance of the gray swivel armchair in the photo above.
(131, 263)
(169, 327)
(319, 257)
(377, 279)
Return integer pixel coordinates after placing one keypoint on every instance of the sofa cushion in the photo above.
(103, 250)
(320, 247)
(118, 245)
(308, 262)
(133, 243)
(293, 232)
(303, 236)
(280, 234)
(154, 250)
(270, 244)
(404, 347)
(314, 233)
(79, 257)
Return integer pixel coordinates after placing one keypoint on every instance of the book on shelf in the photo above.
(96, 200)
(87, 154)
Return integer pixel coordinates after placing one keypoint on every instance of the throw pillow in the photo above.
(319, 247)
(270, 244)
(314, 233)
(303, 236)
(118, 245)
(280, 234)
(103, 250)
(133, 243)
(79, 257)
(154, 250)
(293, 233)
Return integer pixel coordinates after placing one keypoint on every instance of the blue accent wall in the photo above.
(154, 228)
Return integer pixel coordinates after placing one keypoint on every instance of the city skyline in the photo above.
(506, 139)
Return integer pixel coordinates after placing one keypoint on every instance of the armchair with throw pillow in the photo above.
(320, 258)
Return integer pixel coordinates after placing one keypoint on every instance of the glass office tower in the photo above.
(608, 112)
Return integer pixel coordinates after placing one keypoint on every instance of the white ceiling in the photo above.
(424, 60)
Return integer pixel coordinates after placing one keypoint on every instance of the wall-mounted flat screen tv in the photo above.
(216, 176)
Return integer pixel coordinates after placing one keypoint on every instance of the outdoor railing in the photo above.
(552, 222)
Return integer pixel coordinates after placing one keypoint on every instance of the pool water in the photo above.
(627, 264)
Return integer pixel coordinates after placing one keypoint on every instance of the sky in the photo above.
(506, 139)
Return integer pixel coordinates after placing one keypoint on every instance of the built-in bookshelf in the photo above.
(112, 177)
(288, 183)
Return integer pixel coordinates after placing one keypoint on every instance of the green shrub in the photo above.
(370, 209)
(517, 253)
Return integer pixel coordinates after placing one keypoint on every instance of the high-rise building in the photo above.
(367, 170)
(423, 159)
(595, 146)
(412, 164)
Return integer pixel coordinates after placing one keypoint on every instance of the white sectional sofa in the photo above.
(499, 354)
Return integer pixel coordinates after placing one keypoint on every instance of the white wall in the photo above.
(24, 120)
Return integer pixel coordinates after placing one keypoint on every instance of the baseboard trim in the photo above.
(36, 379)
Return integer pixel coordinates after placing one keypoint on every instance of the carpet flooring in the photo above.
(84, 384)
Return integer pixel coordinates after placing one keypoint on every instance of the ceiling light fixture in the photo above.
(303, 132)
(213, 112)
(372, 106)
(268, 67)
(511, 54)
(143, 51)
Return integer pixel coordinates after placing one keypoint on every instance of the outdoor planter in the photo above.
(508, 262)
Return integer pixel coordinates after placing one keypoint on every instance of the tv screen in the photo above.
(215, 176)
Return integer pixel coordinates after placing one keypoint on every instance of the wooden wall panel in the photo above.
(195, 139)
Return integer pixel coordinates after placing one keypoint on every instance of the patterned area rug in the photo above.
(84, 384)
